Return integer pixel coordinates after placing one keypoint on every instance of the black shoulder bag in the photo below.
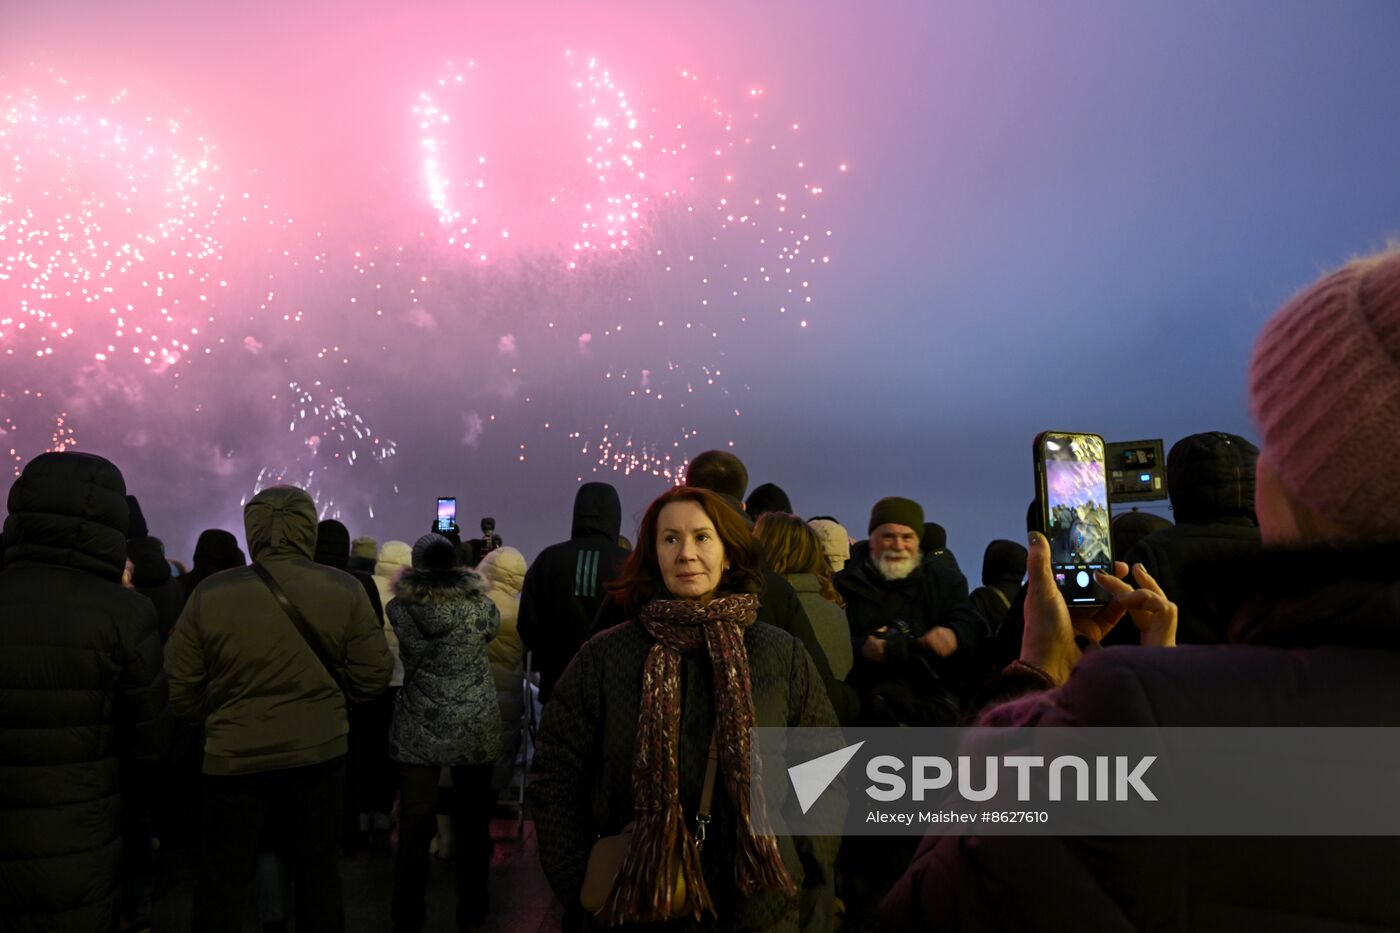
(304, 628)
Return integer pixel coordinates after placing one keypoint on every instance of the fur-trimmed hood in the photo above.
(436, 586)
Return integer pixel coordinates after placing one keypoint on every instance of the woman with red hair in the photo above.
(635, 719)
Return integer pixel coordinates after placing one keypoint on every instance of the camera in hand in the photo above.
(895, 628)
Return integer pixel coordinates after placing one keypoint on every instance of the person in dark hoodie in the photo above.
(766, 497)
(1210, 481)
(151, 577)
(1131, 527)
(215, 550)
(1003, 566)
(333, 550)
(934, 545)
(563, 588)
(82, 690)
(274, 712)
(1316, 641)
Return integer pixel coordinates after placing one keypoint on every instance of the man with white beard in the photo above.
(914, 633)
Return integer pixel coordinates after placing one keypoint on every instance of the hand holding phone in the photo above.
(1072, 497)
(1051, 641)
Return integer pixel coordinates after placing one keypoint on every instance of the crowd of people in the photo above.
(277, 708)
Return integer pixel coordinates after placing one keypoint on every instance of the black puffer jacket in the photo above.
(82, 694)
(151, 577)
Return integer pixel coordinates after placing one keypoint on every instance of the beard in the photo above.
(896, 569)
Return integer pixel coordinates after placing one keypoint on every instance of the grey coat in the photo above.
(446, 713)
(828, 622)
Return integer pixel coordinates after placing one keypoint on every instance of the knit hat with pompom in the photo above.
(1324, 388)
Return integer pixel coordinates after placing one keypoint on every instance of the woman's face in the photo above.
(689, 551)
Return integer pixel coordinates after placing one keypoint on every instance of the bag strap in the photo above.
(303, 627)
(707, 793)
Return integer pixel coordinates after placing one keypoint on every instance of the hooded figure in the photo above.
(563, 589)
(82, 691)
(332, 544)
(215, 550)
(1210, 480)
(333, 550)
(1003, 566)
(242, 661)
(151, 577)
(275, 717)
(767, 497)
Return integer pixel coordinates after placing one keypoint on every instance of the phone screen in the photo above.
(447, 513)
(1074, 497)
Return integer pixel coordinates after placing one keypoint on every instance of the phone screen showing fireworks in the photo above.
(1073, 490)
(447, 513)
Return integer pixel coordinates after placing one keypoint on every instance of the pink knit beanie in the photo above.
(1325, 391)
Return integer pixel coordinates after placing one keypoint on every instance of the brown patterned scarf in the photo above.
(662, 842)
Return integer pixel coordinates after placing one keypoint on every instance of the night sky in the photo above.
(394, 252)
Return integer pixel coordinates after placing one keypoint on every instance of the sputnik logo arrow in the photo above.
(811, 778)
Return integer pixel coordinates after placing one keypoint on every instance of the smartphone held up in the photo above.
(1072, 499)
(446, 515)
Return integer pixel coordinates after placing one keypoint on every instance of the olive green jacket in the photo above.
(237, 662)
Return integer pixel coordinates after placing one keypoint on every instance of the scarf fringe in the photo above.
(663, 850)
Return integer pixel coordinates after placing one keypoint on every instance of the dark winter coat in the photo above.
(151, 577)
(564, 587)
(82, 694)
(912, 685)
(1317, 643)
(447, 713)
(1172, 556)
(333, 550)
(1210, 478)
(215, 550)
(581, 784)
(1003, 566)
(238, 662)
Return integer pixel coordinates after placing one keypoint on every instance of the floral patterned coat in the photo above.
(446, 713)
